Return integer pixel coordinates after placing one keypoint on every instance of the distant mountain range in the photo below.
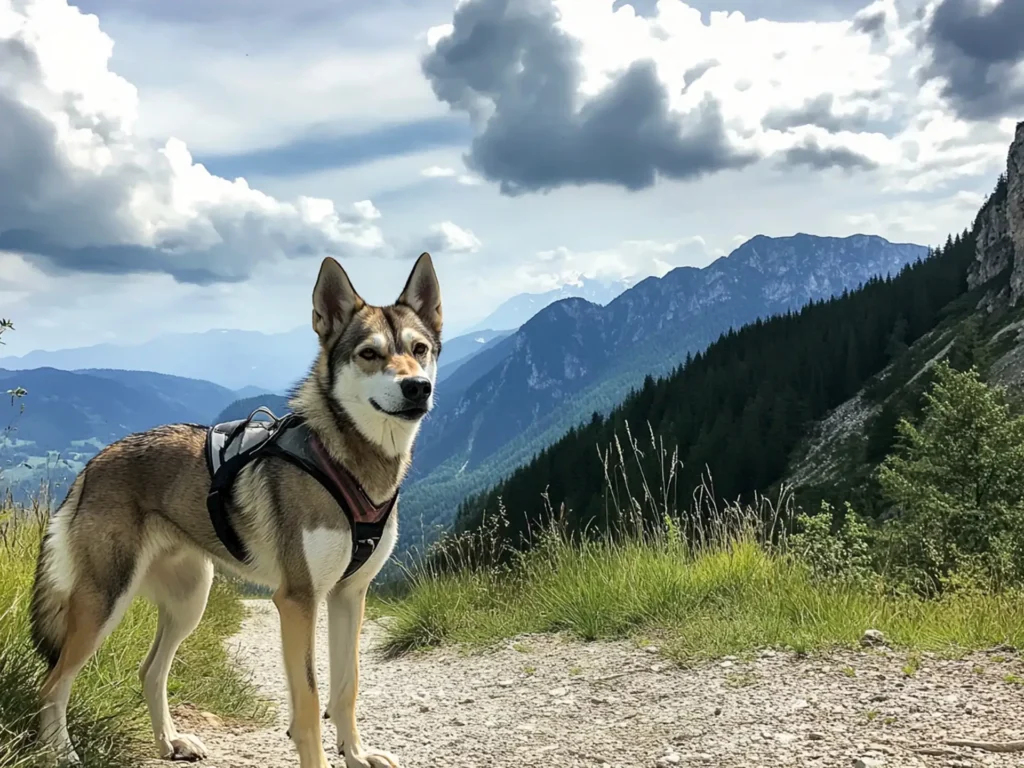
(505, 394)
(575, 357)
(274, 362)
(517, 310)
(66, 417)
(233, 359)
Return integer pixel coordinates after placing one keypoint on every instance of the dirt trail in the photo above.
(543, 701)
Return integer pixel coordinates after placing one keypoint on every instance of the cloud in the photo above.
(813, 155)
(819, 111)
(630, 261)
(975, 48)
(315, 153)
(437, 172)
(440, 172)
(79, 191)
(572, 92)
(515, 62)
(447, 237)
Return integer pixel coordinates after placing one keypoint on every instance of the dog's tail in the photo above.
(54, 580)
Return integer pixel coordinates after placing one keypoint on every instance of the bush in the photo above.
(955, 486)
(834, 553)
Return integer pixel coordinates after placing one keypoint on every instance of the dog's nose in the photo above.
(416, 389)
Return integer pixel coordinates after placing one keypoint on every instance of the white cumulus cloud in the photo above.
(80, 191)
(448, 237)
(631, 261)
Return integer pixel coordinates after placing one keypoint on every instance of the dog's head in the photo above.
(380, 363)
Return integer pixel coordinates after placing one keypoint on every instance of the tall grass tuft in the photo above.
(706, 578)
(107, 716)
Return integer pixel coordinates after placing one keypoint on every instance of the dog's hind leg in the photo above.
(298, 642)
(345, 607)
(85, 616)
(179, 584)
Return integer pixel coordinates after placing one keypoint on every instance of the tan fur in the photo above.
(135, 522)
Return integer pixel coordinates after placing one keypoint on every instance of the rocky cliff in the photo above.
(1000, 226)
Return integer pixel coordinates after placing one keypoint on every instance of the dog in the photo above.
(135, 522)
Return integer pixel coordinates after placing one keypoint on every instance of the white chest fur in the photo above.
(327, 551)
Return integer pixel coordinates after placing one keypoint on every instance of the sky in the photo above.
(169, 167)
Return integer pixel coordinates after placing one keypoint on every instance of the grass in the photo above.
(719, 601)
(706, 583)
(107, 716)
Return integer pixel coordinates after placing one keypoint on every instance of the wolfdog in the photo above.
(137, 521)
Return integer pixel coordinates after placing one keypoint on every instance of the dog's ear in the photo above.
(335, 301)
(422, 294)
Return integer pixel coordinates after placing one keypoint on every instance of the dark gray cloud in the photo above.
(812, 155)
(509, 66)
(872, 23)
(973, 48)
(817, 111)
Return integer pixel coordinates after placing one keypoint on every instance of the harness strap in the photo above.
(290, 439)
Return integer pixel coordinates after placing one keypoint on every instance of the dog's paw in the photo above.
(186, 747)
(370, 758)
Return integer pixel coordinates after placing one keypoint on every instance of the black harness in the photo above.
(234, 444)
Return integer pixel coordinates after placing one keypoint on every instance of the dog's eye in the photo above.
(419, 349)
(369, 354)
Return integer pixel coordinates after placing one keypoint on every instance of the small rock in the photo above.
(651, 649)
(212, 719)
(816, 736)
(558, 692)
(872, 638)
(506, 683)
(459, 722)
(785, 738)
(670, 759)
(867, 762)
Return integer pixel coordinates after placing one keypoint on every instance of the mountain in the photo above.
(737, 410)
(515, 311)
(463, 348)
(66, 417)
(199, 398)
(240, 409)
(234, 359)
(810, 398)
(838, 455)
(575, 357)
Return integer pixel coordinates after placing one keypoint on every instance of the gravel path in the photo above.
(543, 701)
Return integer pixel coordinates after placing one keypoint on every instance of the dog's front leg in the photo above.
(298, 638)
(345, 606)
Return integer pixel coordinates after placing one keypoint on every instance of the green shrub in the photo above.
(955, 486)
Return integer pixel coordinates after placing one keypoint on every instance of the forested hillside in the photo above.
(738, 410)
(575, 358)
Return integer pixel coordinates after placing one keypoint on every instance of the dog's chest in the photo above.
(327, 552)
